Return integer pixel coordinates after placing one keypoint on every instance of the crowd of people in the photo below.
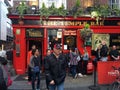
(56, 64)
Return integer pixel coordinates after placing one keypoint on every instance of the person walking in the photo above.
(55, 69)
(35, 68)
(28, 63)
(45, 60)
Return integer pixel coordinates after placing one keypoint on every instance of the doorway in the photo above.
(38, 42)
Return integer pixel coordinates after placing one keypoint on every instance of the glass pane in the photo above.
(54, 37)
(70, 42)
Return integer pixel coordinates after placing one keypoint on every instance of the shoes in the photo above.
(80, 75)
(75, 76)
(85, 75)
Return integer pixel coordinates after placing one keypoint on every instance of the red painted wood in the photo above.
(20, 62)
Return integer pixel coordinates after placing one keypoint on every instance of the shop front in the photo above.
(65, 31)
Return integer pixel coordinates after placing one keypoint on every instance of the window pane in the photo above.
(54, 36)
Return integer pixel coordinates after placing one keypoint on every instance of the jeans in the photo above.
(34, 75)
(85, 63)
(104, 59)
(59, 87)
(73, 70)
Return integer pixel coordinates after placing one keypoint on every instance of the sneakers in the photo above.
(80, 75)
(85, 75)
(37, 89)
(75, 76)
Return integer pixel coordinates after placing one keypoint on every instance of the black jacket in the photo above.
(55, 69)
(104, 51)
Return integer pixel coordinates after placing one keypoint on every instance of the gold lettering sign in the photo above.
(35, 34)
(70, 23)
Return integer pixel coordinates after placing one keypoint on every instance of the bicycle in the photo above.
(116, 84)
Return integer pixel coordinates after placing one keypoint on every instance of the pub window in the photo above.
(69, 42)
(54, 37)
(115, 40)
(70, 37)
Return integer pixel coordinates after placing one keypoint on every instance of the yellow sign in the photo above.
(70, 23)
(98, 38)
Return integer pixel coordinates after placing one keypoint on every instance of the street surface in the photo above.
(70, 83)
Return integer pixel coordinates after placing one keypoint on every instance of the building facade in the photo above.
(6, 31)
(65, 31)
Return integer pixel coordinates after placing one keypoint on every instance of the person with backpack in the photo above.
(35, 68)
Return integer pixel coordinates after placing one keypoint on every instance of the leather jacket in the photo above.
(55, 68)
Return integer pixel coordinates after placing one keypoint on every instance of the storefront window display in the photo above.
(54, 36)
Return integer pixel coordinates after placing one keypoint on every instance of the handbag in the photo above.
(89, 67)
(36, 69)
(9, 82)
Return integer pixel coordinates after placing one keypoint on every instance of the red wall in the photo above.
(20, 61)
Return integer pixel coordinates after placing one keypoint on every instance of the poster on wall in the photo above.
(98, 38)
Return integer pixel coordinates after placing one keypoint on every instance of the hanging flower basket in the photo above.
(86, 33)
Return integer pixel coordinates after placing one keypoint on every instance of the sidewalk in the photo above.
(70, 84)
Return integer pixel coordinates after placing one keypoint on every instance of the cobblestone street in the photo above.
(70, 84)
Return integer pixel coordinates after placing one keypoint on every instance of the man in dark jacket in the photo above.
(104, 51)
(55, 69)
(114, 54)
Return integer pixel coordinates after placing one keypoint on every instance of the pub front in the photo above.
(56, 29)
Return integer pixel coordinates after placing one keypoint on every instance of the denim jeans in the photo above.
(104, 59)
(73, 70)
(35, 76)
(59, 87)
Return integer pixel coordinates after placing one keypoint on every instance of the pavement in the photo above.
(70, 84)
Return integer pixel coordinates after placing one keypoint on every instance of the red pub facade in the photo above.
(63, 30)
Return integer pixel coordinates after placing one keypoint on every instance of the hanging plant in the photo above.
(44, 13)
(96, 15)
(22, 8)
(86, 33)
(76, 10)
(53, 10)
(62, 11)
(101, 12)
